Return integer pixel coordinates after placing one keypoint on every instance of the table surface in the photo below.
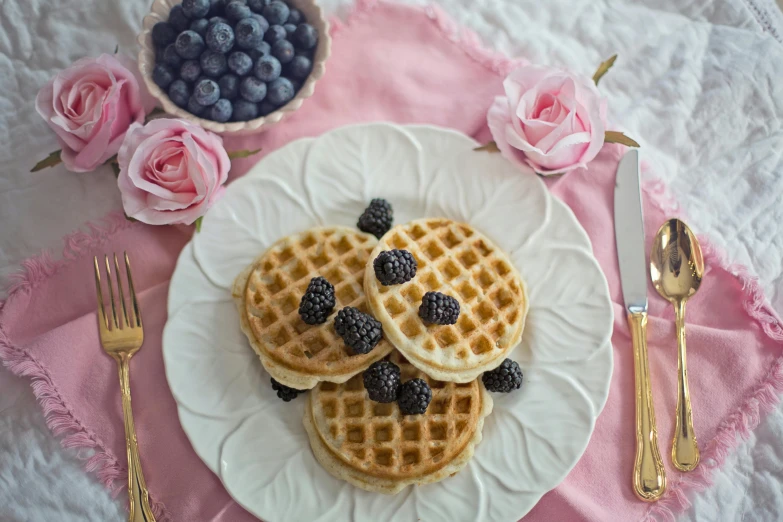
(698, 88)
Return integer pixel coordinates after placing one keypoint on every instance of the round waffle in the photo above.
(375, 447)
(267, 294)
(457, 260)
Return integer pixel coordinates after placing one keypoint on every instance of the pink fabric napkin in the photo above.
(48, 324)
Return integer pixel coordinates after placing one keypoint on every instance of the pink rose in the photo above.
(549, 120)
(171, 171)
(90, 106)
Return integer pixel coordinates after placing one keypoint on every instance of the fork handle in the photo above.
(140, 510)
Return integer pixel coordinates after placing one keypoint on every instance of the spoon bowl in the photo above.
(676, 270)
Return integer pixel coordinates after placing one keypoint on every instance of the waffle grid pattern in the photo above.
(377, 439)
(275, 288)
(456, 260)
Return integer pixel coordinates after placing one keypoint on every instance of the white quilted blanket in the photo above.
(698, 82)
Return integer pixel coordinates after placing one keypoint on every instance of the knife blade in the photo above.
(629, 232)
(649, 476)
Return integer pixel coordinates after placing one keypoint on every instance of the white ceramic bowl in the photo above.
(160, 13)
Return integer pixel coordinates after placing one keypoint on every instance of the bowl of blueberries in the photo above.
(233, 66)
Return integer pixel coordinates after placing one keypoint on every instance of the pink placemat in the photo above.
(439, 74)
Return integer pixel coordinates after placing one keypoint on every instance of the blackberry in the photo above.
(439, 308)
(317, 302)
(163, 33)
(382, 381)
(360, 331)
(285, 392)
(415, 396)
(377, 218)
(394, 267)
(504, 379)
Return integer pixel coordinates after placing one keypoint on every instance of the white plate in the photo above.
(257, 444)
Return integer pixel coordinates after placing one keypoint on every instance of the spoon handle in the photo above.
(685, 450)
(649, 477)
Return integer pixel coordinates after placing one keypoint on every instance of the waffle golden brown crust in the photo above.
(457, 260)
(267, 294)
(375, 447)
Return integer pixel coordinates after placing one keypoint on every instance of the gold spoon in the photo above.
(676, 269)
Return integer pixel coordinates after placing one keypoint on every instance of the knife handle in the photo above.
(649, 477)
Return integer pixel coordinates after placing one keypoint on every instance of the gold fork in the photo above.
(121, 337)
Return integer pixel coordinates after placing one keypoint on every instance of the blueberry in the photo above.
(299, 68)
(189, 44)
(244, 110)
(218, 19)
(170, 57)
(220, 37)
(297, 85)
(275, 33)
(206, 92)
(267, 68)
(229, 86)
(283, 50)
(220, 111)
(276, 12)
(179, 92)
(236, 11)
(257, 6)
(248, 33)
(200, 26)
(178, 19)
(194, 107)
(305, 36)
(265, 108)
(195, 8)
(261, 21)
(280, 91)
(190, 71)
(163, 33)
(295, 17)
(261, 49)
(213, 64)
(162, 75)
(252, 89)
(216, 7)
(289, 29)
(240, 63)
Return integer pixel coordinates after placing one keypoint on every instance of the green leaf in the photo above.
(116, 48)
(488, 147)
(604, 68)
(619, 137)
(50, 161)
(115, 167)
(157, 111)
(197, 223)
(237, 154)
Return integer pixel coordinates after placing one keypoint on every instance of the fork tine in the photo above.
(111, 292)
(101, 310)
(132, 291)
(124, 315)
